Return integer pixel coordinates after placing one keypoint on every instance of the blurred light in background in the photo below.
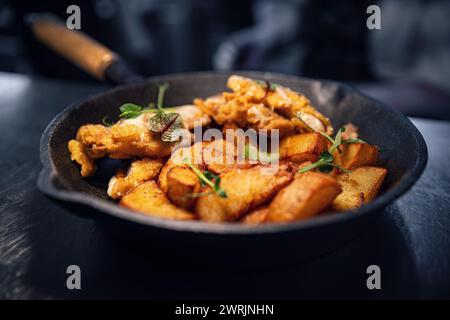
(406, 63)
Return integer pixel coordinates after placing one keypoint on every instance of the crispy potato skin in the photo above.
(148, 199)
(356, 155)
(256, 216)
(302, 147)
(306, 196)
(181, 183)
(246, 189)
(360, 186)
(139, 172)
(79, 155)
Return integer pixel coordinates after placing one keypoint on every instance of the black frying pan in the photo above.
(404, 153)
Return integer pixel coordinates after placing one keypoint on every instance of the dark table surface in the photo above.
(38, 238)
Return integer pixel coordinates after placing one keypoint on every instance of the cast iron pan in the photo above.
(403, 148)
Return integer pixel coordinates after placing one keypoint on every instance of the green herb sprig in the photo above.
(325, 162)
(165, 123)
(130, 111)
(207, 178)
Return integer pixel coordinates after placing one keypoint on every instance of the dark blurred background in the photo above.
(406, 63)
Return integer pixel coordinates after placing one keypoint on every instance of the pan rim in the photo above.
(47, 174)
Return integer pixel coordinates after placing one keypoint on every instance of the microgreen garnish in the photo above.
(325, 162)
(165, 123)
(207, 178)
(130, 111)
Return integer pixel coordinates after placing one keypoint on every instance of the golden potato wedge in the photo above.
(296, 166)
(221, 156)
(307, 195)
(360, 186)
(356, 155)
(302, 147)
(79, 155)
(182, 182)
(246, 189)
(138, 172)
(256, 216)
(148, 199)
(194, 156)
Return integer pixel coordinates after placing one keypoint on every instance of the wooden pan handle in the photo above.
(75, 46)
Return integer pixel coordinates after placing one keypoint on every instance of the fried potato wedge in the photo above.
(139, 171)
(182, 184)
(79, 155)
(221, 156)
(193, 155)
(306, 196)
(256, 216)
(245, 188)
(149, 199)
(302, 147)
(356, 155)
(360, 186)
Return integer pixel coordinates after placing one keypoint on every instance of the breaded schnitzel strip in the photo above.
(139, 171)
